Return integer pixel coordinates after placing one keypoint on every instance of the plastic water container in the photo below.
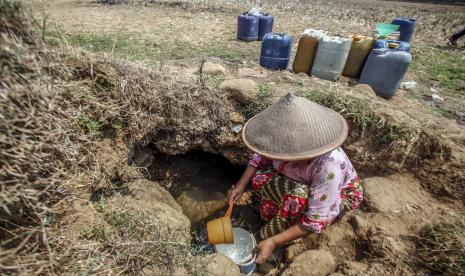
(331, 57)
(276, 50)
(359, 50)
(306, 51)
(386, 43)
(406, 29)
(384, 70)
(248, 27)
(266, 25)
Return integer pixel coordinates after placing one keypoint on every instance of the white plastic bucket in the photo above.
(241, 251)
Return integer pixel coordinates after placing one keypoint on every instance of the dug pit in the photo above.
(199, 181)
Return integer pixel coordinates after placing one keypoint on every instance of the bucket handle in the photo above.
(254, 257)
(230, 207)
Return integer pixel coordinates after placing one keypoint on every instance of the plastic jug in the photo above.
(265, 25)
(247, 27)
(361, 47)
(331, 57)
(407, 28)
(275, 51)
(387, 43)
(384, 70)
(385, 29)
(306, 51)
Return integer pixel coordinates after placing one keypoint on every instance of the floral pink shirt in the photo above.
(326, 176)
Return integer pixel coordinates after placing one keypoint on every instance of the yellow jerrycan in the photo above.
(306, 50)
(359, 50)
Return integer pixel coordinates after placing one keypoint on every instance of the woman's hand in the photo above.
(235, 192)
(265, 249)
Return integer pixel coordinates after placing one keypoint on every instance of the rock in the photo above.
(144, 157)
(312, 262)
(236, 128)
(198, 205)
(344, 79)
(437, 99)
(392, 194)
(359, 224)
(366, 89)
(338, 239)
(294, 250)
(236, 117)
(265, 268)
(219, 265)
(241, 90)
(157, 203)
(382, 245)
(350, 268)
(408, 85)
(211, 68)
(254, 73)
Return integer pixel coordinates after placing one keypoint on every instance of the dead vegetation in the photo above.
(132, 242)
(71, 122)
(40, 143)
(57, 112)
(441, 246)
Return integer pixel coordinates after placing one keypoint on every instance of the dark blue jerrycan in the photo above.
(406, 29)
(392, 44)
(266, 25)
(247, 27)
(384, 70)
(276, 50)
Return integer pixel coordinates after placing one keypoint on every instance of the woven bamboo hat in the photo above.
(293, 129)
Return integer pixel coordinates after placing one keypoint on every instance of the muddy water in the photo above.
(198, 181)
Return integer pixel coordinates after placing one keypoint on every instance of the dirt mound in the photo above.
(70, 124)
(41, 141)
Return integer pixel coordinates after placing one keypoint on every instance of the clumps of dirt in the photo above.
(441, 246)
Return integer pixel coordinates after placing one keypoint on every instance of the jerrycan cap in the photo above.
(357, 37)
(393, 45)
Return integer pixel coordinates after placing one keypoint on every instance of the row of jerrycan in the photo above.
(254, 26)
(381, 64)
(330, 57)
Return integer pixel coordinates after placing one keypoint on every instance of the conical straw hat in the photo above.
(293, 129)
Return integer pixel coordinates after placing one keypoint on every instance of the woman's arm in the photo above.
(237, 190)
(267, 246)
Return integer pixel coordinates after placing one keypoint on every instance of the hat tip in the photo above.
(287, 99)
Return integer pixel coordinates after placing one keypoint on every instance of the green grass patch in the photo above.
(261, 101)
(9, 8)
(446, 67)
(92, 126)
(360, 112)
(134, 48)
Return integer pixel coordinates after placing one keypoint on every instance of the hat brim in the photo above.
(302, 155)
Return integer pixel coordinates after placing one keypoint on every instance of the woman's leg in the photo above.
(282, 201)
(352, 195)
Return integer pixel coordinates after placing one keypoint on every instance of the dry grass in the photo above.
(40, 142)
(56, 107)
(441, 246)
(130, 242)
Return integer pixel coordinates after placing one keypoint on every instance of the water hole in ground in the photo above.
(199, 182)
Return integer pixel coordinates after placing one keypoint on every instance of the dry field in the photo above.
(97, 98)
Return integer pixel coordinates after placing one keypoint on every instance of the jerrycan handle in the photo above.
(230, 207)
